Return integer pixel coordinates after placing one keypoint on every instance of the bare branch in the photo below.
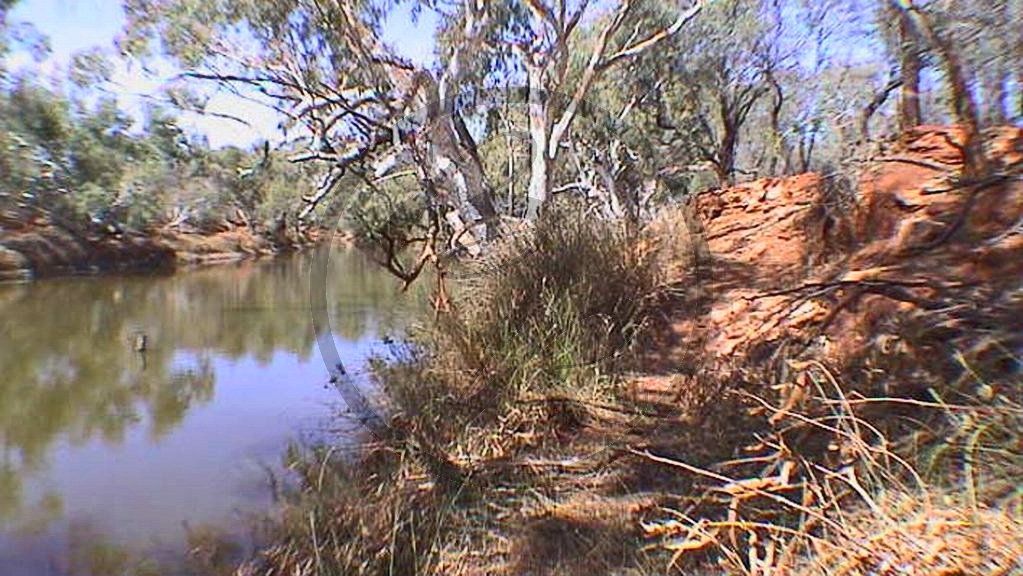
(341, 165)
(655, 38)
(879, 99)
(597, 64)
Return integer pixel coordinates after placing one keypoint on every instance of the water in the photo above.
(109, 452)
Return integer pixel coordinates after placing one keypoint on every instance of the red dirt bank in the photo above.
(790, 260)
(801, 298)
(34, 246)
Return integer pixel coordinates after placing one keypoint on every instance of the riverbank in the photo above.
(35, 246)
(785, 377)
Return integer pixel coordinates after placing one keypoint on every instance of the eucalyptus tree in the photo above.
(20, 35)
(990, 36)
(707, 84)
(934, 25)
(972, 46)
(324, 67)
(901, 44)
(5, 8)
(986, 37)
(555, 95)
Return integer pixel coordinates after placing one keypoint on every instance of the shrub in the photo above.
(553, 310)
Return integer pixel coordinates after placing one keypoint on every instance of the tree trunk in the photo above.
(1019, 89)
(539, 136)
(879, 99)
(963, 103)
(781, 150)
(539, 177)
(725, 165)
(1000, 113)
(479, 192)
(454, 159)
(910, 64)
(994, 96)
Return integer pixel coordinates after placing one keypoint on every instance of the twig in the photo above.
(940, 167)
(725, 479)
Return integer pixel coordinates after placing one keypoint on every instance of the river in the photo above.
(111, 453)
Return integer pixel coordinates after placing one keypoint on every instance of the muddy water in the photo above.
(109, 452)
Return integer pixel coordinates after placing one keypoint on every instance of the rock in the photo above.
(13, 265)
(772, 229)
(784, 271)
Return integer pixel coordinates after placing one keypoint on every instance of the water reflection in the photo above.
(155, 438)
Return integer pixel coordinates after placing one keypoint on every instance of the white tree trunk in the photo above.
(539, 137)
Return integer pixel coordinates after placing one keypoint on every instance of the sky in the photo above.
(76, 25)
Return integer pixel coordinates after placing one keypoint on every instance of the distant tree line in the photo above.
(71, 153)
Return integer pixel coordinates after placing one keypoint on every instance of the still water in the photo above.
(108, 448)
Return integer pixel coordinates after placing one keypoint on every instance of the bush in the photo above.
(552, 311)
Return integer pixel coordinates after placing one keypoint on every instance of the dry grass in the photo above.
(848, 483)
(871, 512)
(921, 533)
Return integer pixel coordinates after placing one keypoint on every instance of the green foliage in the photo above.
(90, 162)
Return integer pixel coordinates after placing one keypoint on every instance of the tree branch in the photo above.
(655, 38)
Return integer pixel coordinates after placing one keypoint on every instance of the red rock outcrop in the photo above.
(912, 197)
(775, 229)
(783, 270)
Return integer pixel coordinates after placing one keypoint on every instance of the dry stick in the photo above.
(847, 410)
(817, 423)
(699, 529)
(885, 287)
(816, 489)
(721, 478)
(622, 409)
(893, 289)
(924, 404)
(816, 515)
(969, 466)
(746, 524)
(854, 483)
(316, 545)
(937, 166)
(695, 528)
(841, 395)
(323, 469)
(974, 190)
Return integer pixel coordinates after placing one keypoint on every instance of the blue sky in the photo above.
(76, 25)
